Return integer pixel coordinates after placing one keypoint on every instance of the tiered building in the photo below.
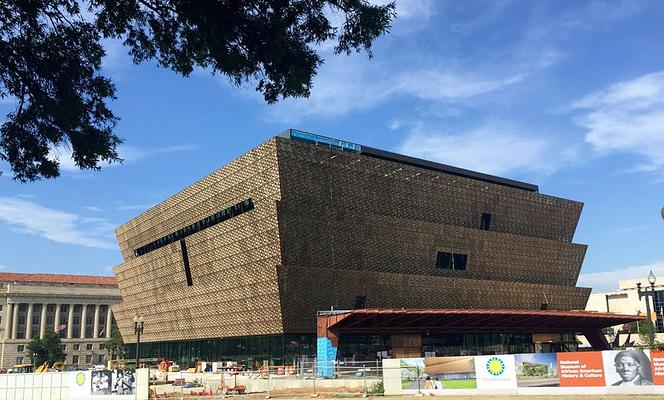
(237, 265)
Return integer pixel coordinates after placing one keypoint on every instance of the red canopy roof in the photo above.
(381, 320)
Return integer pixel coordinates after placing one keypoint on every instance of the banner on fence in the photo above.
(84, 384)
(619, 370)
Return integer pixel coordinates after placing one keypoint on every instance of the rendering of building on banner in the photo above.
(425, 258)
(76, 307)
(563, 373)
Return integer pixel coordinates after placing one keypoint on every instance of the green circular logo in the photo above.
(80, 379)
(495, 366)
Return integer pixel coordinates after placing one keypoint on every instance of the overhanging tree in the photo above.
(51, 53)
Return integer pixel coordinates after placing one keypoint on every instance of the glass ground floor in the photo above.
(288, 349)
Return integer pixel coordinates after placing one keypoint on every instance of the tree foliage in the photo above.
(115, 345)
(51, 53)
(46, 349)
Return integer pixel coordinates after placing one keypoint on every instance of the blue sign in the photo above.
(312, 137)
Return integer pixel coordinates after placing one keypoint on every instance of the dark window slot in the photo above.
(185, 260)
(360, 301)
(485, 224)
(197, 226)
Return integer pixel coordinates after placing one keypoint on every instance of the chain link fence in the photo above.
(301, 379)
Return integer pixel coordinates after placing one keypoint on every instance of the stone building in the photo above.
(237, 265)
(625, 300)
(77, 307)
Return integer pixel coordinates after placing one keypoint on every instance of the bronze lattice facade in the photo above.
(329, 226)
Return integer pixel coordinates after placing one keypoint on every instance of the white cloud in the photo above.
(608, 280)
(486, 13)
(3, 267)
(127, 152)
(494, 148)
(93, 208)
(354, 83)
(55, 225)
(117, 59)
(410, 9)
(627, 117)
(591, 15)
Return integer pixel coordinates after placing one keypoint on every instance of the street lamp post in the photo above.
(645, 293)
(138, 330)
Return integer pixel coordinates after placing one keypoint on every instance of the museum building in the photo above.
(252, 261)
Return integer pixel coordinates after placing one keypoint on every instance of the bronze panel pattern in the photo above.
(329, 225)
(233, 264)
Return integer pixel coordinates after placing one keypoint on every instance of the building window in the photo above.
(88, 359)
(100, 359)
(74, 360)
(454, 261)
(102, 346)
(20, 348)
(19, 360)
(485, 224)
(77, 346)
(63, 347)
(88, 346)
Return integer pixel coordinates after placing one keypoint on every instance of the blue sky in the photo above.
(568, 95)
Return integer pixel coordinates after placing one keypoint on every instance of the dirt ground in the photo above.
(337, 395)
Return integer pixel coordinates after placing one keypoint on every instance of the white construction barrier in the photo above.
(616, 371)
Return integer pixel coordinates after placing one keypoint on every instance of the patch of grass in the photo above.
(460, 384)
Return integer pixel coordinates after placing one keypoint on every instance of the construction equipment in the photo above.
(22, 368)
(57, 366)
(43, 367)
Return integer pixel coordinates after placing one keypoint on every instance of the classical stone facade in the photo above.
(77, 307)
(326, 223)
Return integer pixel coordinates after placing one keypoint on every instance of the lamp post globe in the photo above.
(648, 293)
(138, 330)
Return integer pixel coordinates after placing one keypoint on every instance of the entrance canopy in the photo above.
(403, 321)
